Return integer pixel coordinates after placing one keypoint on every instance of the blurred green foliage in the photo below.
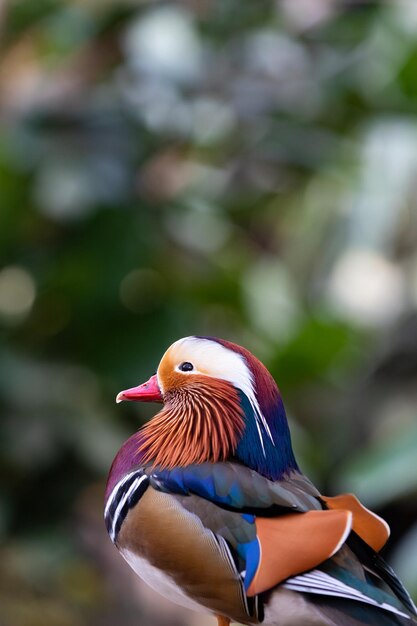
(246, 170)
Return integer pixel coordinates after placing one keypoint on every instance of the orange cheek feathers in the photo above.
(202, 420)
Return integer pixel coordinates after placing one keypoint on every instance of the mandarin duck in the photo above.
(207, 504)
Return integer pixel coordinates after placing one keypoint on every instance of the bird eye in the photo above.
(186, 367)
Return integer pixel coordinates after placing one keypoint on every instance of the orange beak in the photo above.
(147, 392)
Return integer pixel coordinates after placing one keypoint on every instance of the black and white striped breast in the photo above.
(124, 496)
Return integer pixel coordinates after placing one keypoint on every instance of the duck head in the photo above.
(220, 402)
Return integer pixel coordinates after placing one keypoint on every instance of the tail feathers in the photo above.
(378, 566)
(343, 586)
(341, 612)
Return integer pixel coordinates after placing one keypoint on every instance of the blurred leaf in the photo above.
(318, 346)
(384, 471)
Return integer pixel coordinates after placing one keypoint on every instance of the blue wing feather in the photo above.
(235, 487)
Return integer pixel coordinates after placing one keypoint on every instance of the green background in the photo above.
(239, 169)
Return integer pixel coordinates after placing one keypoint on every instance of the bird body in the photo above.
(207, 504)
